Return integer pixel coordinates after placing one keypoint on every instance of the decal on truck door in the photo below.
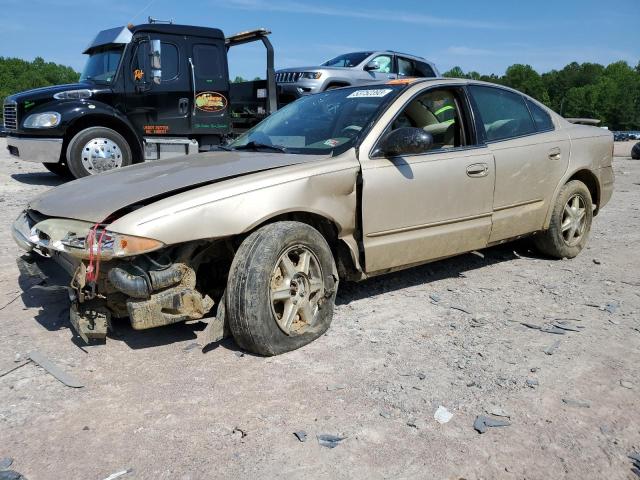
(211, 102)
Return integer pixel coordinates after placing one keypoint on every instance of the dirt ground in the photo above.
(446, 334)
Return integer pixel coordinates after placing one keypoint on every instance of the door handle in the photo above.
(183, 105)
(478, 170)
(555, 154)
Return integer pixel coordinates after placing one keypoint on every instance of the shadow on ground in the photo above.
(38, 178)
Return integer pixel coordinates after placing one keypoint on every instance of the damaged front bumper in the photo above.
(149, 293)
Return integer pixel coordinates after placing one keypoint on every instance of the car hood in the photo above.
(97, 197)
(43, 94)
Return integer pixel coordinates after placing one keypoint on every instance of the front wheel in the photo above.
(96, 150)
(281, 288)
(570, 222)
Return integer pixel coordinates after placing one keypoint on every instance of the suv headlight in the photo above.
(42, 120)
(311, 75)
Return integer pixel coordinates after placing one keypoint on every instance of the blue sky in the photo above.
(486, 36)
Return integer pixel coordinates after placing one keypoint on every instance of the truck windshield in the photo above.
(347, 60)
(325, 123)
(101, 66)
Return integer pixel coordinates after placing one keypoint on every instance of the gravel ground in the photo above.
(447, 334)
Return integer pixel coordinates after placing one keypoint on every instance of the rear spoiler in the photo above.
(584, 121)
(253, 36)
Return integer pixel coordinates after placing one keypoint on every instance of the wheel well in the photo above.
(108, 122)
(591, 181)
(329, 230)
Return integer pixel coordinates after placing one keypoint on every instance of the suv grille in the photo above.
(287, 77)
(10, 116)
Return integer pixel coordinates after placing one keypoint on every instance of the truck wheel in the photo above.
(570, 222)
(281, 288)
(96, 150)
(60, 169)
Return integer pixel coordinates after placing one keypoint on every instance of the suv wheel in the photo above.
(96, 150)
(281, 288)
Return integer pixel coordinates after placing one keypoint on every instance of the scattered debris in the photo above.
(625, 384)
(477, 254)
(554, 330)
(239, 432)
(191, 346)
(11, 475)
(385, 414)
(596, 261)
(531, 325)
(460, 309)
(119, 474)
(421, 376)
(532, 383)
(435, 298)
(17, 358)
(333, 388)
(478, 321)
(635, 458)
(5, 463)
(54, 370)
(329, 441)
(611, 307)
(483, 422)
(567, 326)
(551, 349)
(497, 411)
(442, 415)
(576, 403)
(301, 435)
(238, 354)
(7, 372)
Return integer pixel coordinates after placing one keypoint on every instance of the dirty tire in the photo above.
(635, 151)
(77, 143)
(250, 308)
(552, 242)
(60, 169)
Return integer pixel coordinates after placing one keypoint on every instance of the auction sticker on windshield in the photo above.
(371, 93)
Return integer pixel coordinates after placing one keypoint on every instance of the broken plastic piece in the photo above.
(54, 370)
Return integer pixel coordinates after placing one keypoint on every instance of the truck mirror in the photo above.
(156, 62)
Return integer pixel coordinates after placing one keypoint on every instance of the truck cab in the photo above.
(146, 92)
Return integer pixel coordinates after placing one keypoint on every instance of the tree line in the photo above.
(17, 75)
(609, 93)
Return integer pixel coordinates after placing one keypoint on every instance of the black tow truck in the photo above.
(147, 92)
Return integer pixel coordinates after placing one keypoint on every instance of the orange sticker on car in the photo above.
(211, 102)
(156, 129)
(402, 81)
(138, 74)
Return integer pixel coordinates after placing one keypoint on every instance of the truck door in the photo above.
(158, 100)
(210, 80)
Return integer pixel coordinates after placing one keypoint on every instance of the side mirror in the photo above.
(156, 61)
(371, 66)
(404, 141)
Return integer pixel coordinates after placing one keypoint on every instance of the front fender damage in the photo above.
(151, 295)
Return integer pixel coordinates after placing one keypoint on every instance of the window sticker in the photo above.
(332, 142)
(211, 102)
(138, 74)
(371, 93)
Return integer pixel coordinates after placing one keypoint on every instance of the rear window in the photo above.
(504, 114)
(540, 117)
(207, 61)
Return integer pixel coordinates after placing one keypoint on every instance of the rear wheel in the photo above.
(570, 222)
(96, 150)
(60, 169)
(281, 288)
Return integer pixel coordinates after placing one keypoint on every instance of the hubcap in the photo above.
(574, 220)
(100, 155)
(297, 290)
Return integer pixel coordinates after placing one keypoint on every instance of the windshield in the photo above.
(347, 60)
(101, 66)
(325, 123)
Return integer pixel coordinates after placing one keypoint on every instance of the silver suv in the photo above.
(351, 69)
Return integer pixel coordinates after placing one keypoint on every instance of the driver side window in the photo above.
(384, 64)
(436, 112)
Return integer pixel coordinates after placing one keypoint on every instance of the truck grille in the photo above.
(287, 77)
(10, 116)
